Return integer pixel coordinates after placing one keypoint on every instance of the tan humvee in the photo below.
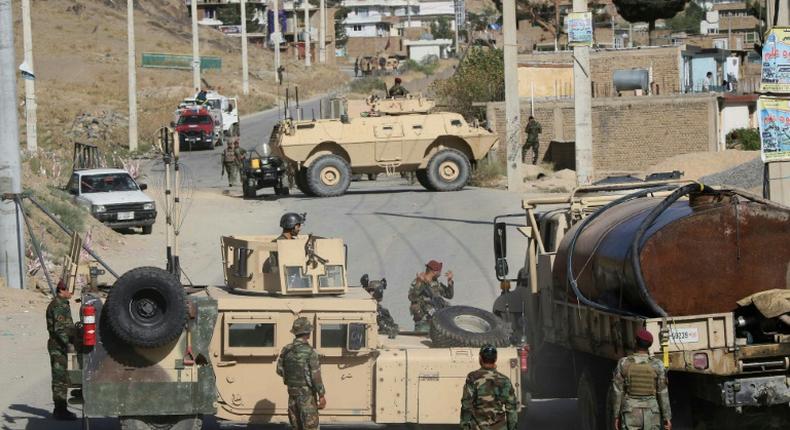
(382, 136)
(224, 362)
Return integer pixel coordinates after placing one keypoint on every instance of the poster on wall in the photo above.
(776, 62)
(579, 26)
(774, 114)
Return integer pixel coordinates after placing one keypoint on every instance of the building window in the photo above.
(357, 28)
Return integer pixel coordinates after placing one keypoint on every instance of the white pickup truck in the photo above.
(114, 198)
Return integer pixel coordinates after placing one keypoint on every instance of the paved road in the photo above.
(391, 228)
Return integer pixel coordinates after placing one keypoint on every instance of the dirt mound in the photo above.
(21, 299)
(695, 165)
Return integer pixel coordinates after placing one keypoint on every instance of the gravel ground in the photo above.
(748, 176)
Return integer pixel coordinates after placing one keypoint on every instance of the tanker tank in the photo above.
(698, 253)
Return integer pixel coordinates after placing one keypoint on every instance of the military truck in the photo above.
(392, 135)
(704, 270)
(167, 355)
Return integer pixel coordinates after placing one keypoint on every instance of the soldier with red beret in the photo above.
(427, 295)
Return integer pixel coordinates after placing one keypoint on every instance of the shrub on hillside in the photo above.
(479, 78)
(746, 139)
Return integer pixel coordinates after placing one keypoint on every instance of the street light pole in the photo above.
(307, 59)
(582, 106)
(245, 75)
(512, 108)
(30, 83)
(132, 81)
(12, 242)
(276, 36)
(322, 32)
(195, 47)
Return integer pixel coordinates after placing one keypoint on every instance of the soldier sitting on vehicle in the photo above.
(384, 319)
(489, 401)
(398, 90)
(640, 397)
(427, 295)
(291, 223)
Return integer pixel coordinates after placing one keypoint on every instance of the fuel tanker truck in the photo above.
(706, 271)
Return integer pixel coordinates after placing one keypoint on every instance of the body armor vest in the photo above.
(641, 380)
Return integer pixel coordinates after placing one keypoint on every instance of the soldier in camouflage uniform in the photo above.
(427, 295)
(301, 372)
(533, 133)
(489, 401)
(384, 320)
(61, 331)
(641, 398)
(232, 158)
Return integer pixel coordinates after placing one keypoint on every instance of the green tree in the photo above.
(649, 11)
(441, 29)
(340, 31)
(231, 15)
(688, 20)
(480, 77)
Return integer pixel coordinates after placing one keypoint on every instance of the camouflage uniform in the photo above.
(398, 90)
(231, 161)
(301, 372)
(641, 397)
(533, 133)
(385, 322)
(61, 329)
(426, 298)
(488, 402)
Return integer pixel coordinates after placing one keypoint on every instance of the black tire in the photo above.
(328, 176)
(162, 422)
(462, 326)
(148, 229)
(147, 307)
(301, 182)
(248, 191)
(422, 178)
(372, 176)
(282, 191)
(448, 170)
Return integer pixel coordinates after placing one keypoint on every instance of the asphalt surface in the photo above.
(390, 226)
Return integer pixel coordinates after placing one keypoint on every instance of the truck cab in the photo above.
(196, 128)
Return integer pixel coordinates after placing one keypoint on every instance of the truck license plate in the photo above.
(683, 335)
(122, 216)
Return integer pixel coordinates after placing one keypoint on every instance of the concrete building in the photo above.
(384, 18)
(419, 50)
(731, 26)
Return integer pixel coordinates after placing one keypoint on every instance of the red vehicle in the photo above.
(195, 128)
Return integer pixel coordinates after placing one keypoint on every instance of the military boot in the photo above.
(62, 413)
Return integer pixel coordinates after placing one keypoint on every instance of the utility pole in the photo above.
(132, 60)
(512, 107)
(408, 14)
(30, 83)
(456, 22)
(276, 37)
(779, 171)
(307, 59)
(245, 75)
(582, 107)
(322, 32)
(195, 47)
(10, 161)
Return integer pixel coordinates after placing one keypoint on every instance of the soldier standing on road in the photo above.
(231, 159)
(641, 397)
(489, 401)
(291, 223)
(356, 67)
(427, 295)
(398, 90)
(533, 134)
(301, 372)
(61, 330)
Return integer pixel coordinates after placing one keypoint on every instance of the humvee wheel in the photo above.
(460, 326)
(328, 176)
(146, 307)
(448, 170)
(422, 178)
(175, 422)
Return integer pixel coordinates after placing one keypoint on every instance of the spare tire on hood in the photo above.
(146, 307)
(466, 326)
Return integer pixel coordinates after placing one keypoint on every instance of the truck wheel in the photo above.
(177, 422)
(448, 170)
(329, 176)
(147, 229)
(301, 182)
(422, 178)
(248, 190)
(591, 403)
(460, 326)
(147, 307)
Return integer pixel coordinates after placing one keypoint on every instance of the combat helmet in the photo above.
(301, 326)
(488, 353)
(290, 220)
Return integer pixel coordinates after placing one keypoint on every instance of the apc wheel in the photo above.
(463, 326)
(328, 176)
(148, 229)
(448, 170)
(422, 178)
(301, 182)
(176, 422)
(147, 307)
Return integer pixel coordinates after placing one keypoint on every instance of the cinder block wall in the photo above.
(630, 134)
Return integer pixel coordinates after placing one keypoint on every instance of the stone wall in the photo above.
(630, 134)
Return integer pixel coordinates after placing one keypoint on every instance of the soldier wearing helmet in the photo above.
(301, 372)
(640, 395)
(489, 401)
(291, 223)
(427, 295)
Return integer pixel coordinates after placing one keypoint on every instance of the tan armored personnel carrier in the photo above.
(167, 355)
(382, 136)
